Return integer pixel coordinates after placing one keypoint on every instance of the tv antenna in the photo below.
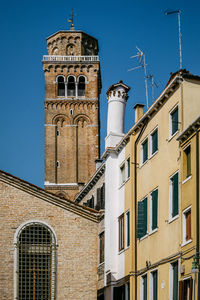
(153, 84)
(178, 12)
(142, 64)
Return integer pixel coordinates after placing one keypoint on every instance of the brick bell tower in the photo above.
(72, 89)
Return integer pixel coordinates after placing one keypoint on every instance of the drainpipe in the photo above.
(135, 196)
(197, 211)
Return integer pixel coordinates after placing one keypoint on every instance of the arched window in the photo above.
(61, 86)
(71, 86)
(36, 249)
(81, 86)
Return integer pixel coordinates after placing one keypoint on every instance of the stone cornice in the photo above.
(40, 193)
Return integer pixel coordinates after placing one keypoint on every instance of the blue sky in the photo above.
(119, 26)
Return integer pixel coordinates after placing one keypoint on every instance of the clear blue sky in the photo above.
(119, 26)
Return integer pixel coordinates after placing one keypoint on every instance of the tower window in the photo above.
(61, 86)
(81, 86)
(58, 164)
(36, 262)
(71, 112)
(71, 87)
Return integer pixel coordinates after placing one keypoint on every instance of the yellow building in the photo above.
(189, 229)
(154, 194)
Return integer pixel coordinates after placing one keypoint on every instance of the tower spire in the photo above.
(71, 20)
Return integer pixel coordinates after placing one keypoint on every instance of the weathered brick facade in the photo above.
(75, 227)
(72, 115)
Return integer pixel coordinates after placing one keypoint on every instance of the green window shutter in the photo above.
(154, 198)
(175, 280)
(155, 141)
(128, 228)
(174, 119)
(155, 285)
(175, 195)
(142, 218)
(145, 150)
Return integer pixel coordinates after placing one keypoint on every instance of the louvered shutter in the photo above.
(175, 195)
(154, 196)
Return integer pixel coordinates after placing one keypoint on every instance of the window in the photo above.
(127, 228)
(58, 164)
(154, 210)
(144, 151)
(154, 142)
(144, 287)
(121, 232)
(128, 168)
(174, 195)
(154, 285)
(81, 86)
(35, 262)
(122, 174)
(61, 86)
(187, 162)
(100, 204)
(187, 225)
(101, 248)
(71, 87)
(185, 289)
(174, 121)
(142, 218)
(173, 287)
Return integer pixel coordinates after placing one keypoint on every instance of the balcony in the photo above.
(61, 58)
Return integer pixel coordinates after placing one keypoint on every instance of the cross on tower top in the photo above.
(71, 20)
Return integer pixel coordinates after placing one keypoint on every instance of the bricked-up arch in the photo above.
(35, 266)
(82, 146)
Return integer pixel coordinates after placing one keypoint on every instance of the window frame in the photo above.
(186, 241)
(145, 141)
(171, 194)
(152, 230)
(128, 168)
(151, 142)
(142, 279)
(121, 232)
(151, 284)
(101, 250)
(127, 237)
(172, 134)
(122, 174)
(145, 218)
(54, 254)
(186, 172)
(171, 279)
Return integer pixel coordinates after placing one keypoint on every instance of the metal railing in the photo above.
(70, 58)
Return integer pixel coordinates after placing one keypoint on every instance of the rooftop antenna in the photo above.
(142, 64)
(71, 20)
(153, 84)
(178, 12)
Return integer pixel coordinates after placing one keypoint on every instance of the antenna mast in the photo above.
(178, 12)
(142, 64)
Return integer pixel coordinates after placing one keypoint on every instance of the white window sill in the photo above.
(127, 248)
(173, 219)
(144, 237)
(101, 264)
(121, 251)
(122, 184)
(186, 243)
(144, 163)
(186, 179)
(172, 136)
(153, 231)
(153, 154)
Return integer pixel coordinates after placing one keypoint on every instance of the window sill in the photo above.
(121, 251)
(144, 163)
(122, 184)
(153, 154)
(101, 264)
(153, 231)
(144, 237)
(172, 136)
(173, 219)
(127, 248)
(186, 243)
(127, 179)
(186, 179)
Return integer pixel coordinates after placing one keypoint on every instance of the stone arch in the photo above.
(63, 195)
(60, 120)
(70, 49)
(82, 118)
